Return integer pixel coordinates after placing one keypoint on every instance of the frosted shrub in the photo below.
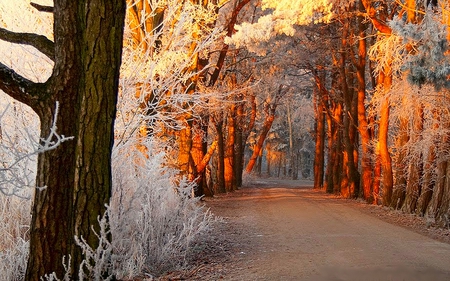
(15, 219)
(154, 219)
(17, 172)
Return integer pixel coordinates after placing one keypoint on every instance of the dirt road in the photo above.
(282, 231)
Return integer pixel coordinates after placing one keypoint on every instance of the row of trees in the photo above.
(381, 124)
(380, 75)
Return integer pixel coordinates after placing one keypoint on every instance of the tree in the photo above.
(73, 180)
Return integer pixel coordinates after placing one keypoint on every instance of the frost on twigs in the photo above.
(54, 139)
(158, 73)
(14, 245)
(284, 16)
(19, 149)
(53, 277)
(97, 263)
(429, 63)
(154, 219)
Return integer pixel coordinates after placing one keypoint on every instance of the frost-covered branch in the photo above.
(18, 168)
(285, 15)
(430, 62)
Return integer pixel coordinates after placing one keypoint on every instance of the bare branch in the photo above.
(17, 86)
(40, 42)
(41, 8)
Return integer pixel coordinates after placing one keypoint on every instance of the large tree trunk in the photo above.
(363, 124)
(76, 175)
(348, 134)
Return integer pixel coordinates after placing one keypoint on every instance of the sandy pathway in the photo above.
(294, 233)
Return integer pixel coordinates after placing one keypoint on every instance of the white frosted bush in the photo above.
(154, 218)
(14, 217)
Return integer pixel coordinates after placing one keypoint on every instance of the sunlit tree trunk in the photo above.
(229, 150)
(385, 157)
(184, 160)
(363, 124)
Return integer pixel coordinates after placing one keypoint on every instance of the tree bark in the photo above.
(415, 169)
(229, 150)
(319, 155)
(399, 192)
(363, 124)
(350, 190)
(218, 124)
(76, 177)
(385, 157)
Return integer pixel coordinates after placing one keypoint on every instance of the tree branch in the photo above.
(224, 51)
(18, 87)
(41, 8)
(40, 42)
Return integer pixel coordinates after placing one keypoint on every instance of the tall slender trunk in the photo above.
(229, 151)
(319, 155)
(399, 192)
(415, 169)
(428, 184)
(350, 189)
(218, 124)
(320, 101)
(363, 124)
(291, 146)
(241, 138)
(385, 157)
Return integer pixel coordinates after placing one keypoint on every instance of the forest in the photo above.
(117, 117)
